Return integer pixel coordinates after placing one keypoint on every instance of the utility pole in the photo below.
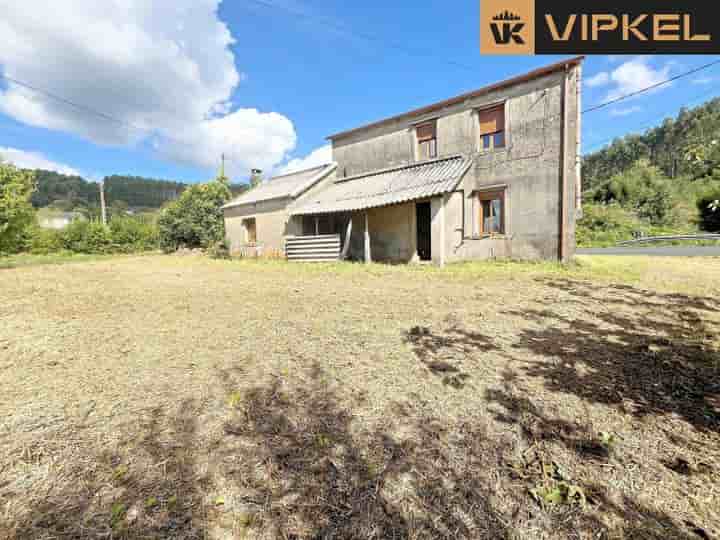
(222, 165)
(102, 202)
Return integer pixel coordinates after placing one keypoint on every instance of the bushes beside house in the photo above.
(195, 219)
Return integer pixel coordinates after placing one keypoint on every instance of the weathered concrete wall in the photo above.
(272, 224)
(392, 233)
(528, 168)
(272, 219)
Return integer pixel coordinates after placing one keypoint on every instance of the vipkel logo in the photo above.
(506, 27)
(607, 27)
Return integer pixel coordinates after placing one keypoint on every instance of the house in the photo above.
(257, 221)
(491, 173)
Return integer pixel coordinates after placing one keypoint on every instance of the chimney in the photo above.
(255, 177)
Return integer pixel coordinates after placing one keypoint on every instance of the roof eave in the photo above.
(530, 75)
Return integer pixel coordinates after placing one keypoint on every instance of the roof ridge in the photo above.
(517, 79)
(397, 168)
(300, 171)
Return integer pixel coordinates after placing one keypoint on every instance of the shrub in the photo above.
(16, 211)
(45, 241)
(195, 219)
(606, 225)
(83, 236)
(642, 188)
(131, 234)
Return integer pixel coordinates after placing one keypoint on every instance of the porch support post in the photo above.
(317, 226)
(368, 258)
(346, 246)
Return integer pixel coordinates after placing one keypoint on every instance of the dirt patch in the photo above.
(167, 397)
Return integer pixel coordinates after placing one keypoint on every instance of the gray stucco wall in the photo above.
(392, 233)
(528, 168)
(272, 224)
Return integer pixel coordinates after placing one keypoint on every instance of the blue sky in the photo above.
(265, 81)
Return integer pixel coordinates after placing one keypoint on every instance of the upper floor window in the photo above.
(492, 128)
(427, 140)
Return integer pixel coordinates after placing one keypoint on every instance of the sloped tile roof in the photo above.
(288, 185)
(388, 186)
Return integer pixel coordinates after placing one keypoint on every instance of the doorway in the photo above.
(422, 213)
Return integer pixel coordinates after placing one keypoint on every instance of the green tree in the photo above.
(195, 219)
(16, 211)
(642, 188)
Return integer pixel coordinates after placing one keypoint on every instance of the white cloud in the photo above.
(163, 66)
(625, 111)
(598, 79)
(634, 75)
(319, 156)
(34, 160)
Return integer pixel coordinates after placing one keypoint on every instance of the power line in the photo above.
(647, 88)
(651, 124)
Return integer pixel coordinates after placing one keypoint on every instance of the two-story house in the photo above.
(490, 173)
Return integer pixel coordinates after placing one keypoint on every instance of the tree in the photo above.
(195, 219)
(16, 211)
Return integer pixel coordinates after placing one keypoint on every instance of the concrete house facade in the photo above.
(257, 221)
(491, 173)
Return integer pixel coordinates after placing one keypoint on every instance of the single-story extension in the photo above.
(257, 221)
(491, 173)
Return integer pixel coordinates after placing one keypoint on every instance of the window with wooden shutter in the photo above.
(492, 128)
(491, 212)
(427, 140)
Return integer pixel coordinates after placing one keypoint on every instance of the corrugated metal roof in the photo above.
(389, 186)
(287, 185)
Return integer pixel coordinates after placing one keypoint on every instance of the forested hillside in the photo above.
(72, 192)
(662, 181)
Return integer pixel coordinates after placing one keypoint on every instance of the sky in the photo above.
(163, 88)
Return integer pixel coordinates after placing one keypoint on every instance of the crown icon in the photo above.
(506, 16)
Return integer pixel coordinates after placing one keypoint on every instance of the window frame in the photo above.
(433, 141)
(492, 134)
(491, 195)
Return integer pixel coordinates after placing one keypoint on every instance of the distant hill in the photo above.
(68, 192)
(686, 147)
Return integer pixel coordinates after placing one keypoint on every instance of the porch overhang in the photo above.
(385, 187)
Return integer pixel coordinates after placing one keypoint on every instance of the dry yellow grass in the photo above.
(181, 397)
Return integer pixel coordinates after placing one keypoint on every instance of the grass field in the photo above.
(180, 397)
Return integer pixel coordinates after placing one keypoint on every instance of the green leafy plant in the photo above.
(559, 493)
(16, 211)
(195, 219)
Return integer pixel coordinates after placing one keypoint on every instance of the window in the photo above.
(250, 231)
(492, 128)
(427, 140)
(491, 209)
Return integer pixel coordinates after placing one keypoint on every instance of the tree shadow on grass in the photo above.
(147, 487)
(310, 472)
(649, 353)
(443, 352)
